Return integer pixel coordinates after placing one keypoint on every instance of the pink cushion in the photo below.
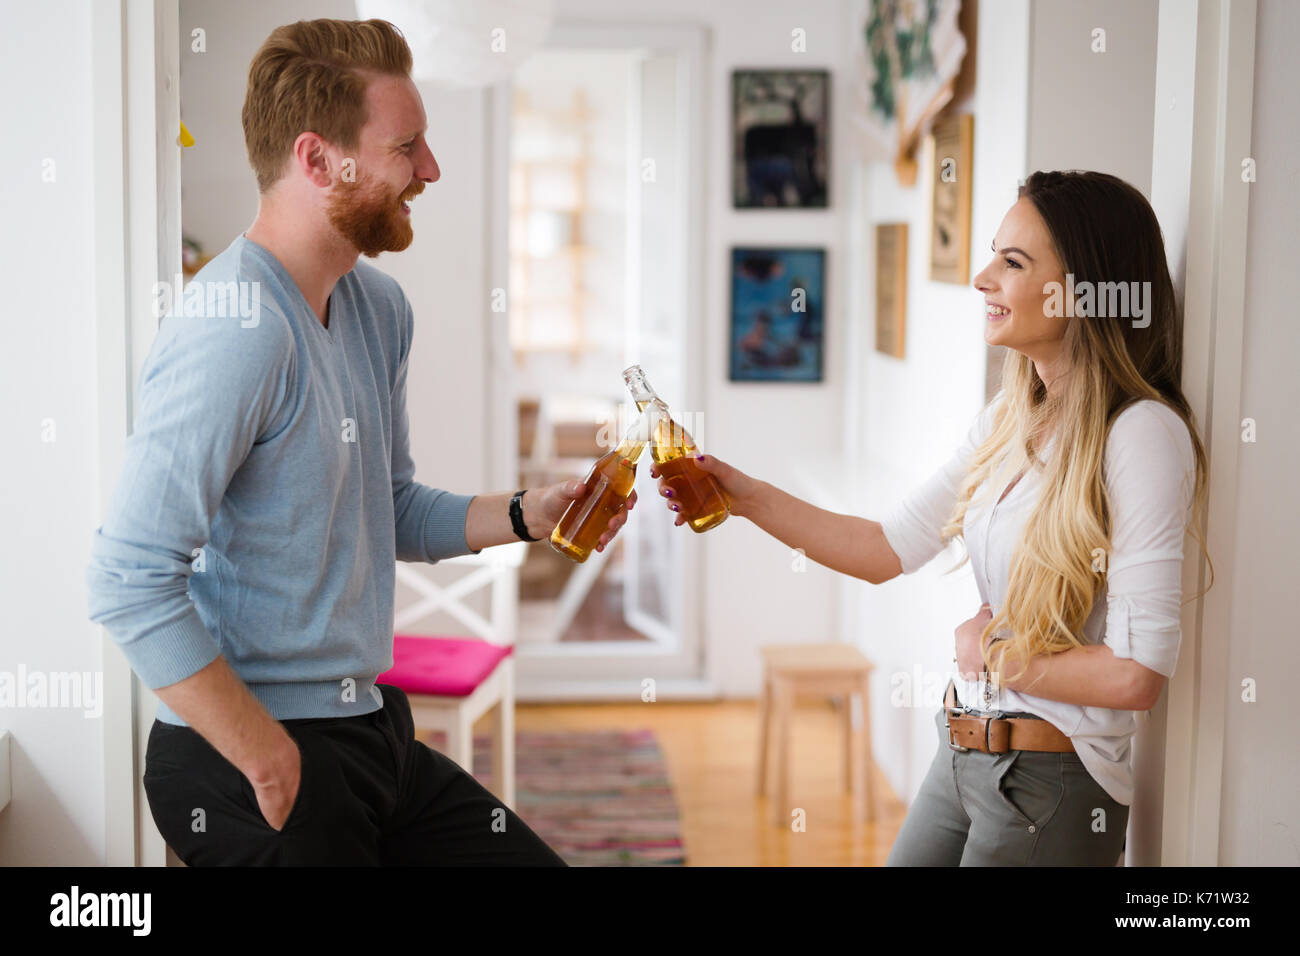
(446, 666)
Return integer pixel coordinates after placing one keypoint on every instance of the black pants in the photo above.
(370, 795)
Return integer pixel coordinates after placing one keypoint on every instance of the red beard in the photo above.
(369, 215)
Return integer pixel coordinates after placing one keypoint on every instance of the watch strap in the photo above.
(517, 516)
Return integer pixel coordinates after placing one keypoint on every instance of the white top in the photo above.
(1149, 467)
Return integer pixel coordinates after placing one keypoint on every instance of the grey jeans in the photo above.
(1021, 808)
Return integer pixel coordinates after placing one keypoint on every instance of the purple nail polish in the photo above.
(668, 492)
(699, 457)
(675, 508)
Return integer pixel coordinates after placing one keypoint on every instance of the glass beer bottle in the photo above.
(702, 501)
(609, 484)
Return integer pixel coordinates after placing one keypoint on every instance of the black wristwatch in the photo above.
(517, 516)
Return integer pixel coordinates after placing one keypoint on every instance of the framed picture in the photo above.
(778, 309)
(954, 140)
(911, 63)
(891, 288)
(780, 121)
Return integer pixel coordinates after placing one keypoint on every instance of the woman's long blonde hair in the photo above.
(1103, 230)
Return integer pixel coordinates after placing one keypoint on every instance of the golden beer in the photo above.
(702, 501)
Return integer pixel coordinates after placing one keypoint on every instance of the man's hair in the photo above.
(312, 76)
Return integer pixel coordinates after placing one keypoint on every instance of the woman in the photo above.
(1079, 556)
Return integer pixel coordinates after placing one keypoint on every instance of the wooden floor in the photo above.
(712, 750)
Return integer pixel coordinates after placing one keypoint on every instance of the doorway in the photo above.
(600, 156)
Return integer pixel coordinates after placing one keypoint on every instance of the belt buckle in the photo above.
(947, 714)
(952, 746)
(988, 743)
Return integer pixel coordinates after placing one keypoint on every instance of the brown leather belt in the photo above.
(997, 735)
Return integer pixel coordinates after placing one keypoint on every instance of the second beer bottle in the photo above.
(703, 502)
(609, 484)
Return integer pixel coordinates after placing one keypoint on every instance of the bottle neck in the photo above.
(639, 435)
(630, 450)
(641, 391)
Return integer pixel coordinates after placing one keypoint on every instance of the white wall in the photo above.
(48, 496)
(444, 275)
(1258, 824)
(1093, 110)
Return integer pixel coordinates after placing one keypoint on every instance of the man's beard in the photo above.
(369, 215)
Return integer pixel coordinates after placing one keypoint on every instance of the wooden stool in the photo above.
(793, 669)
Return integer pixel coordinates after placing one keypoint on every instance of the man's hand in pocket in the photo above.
(277, 791)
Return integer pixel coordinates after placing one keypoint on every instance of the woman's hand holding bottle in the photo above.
(740, 489)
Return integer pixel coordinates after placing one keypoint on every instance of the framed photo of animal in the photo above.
(778, 314)
(780, 121)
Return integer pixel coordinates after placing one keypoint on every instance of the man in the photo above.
(270, 460)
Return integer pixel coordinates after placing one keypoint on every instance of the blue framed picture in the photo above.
(778, 313)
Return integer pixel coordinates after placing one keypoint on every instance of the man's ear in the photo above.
(312, 157)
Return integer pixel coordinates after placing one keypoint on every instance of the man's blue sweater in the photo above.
(269, 471)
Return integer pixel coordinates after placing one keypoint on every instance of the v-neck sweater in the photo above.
(268, 489)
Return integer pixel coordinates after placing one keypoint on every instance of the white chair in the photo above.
(453, 680)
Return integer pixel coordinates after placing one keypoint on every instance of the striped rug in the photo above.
(598, 798)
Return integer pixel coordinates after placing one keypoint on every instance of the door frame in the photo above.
(1212, 68)
(135, 65)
